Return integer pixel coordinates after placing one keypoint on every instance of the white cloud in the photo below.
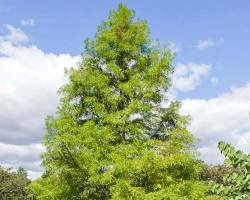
(187, 77)
(29, 80)
(27, 22)
(15, 35)
(27, 156)
(222, 118)
(204, 44)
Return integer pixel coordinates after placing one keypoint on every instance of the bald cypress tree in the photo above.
(115, 136)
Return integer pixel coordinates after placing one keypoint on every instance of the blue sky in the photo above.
(39, 38)
(61, 26)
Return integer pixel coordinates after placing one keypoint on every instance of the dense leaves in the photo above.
(13, 184)
(115, 136)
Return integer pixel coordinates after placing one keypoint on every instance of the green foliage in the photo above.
(13, 184)
(235, 185)
(114, 135)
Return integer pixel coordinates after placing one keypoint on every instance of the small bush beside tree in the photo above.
(235, 185)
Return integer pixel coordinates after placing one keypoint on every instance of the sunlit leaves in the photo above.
(112, 138)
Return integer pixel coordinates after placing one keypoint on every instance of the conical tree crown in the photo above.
(114, 137)
(121, 79)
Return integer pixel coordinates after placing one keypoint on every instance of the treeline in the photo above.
(13, 184)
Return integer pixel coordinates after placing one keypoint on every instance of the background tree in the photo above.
(115, 136)
(216, 173)
(13, 184)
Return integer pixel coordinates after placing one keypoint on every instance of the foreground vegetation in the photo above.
(235, 185)
(116, 136)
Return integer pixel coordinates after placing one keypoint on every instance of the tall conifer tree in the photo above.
(115, 136)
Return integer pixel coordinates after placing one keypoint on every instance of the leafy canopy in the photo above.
(115, 136)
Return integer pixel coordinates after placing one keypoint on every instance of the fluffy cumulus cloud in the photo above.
(187, 77)
(29, 80)
(222, 118)
(204, 44)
